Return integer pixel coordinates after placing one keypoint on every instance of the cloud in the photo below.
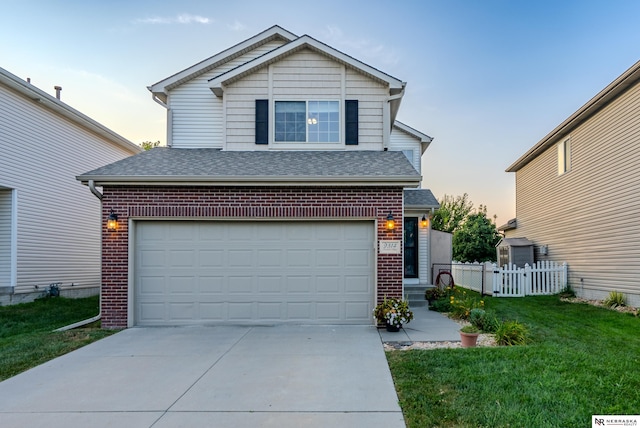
(184, 18)
(361, 47)
(236, 26)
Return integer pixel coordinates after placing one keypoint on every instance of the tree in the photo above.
(452, 213)
(148, 145)
(476, 239)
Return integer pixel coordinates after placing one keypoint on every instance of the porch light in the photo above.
(391, 223)
(112, 222)
(424, 221)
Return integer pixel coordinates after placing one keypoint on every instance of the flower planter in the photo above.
(469, 340)
(393, 328)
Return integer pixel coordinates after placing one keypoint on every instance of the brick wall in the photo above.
(240, 202)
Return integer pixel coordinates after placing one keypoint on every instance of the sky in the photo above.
(486, 79)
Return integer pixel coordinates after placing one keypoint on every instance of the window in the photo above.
(410, 247)
(564, 156)
(307, 121)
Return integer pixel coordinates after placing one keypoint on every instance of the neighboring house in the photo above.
(271, 202)
(577, 193)
(48, 221)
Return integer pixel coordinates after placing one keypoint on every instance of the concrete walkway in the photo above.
(426, 326)
(283, 376)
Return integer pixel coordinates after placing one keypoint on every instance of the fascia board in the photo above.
(161, 86)
(304, 41)
(396, 181)
(424, 138)
(50, 102)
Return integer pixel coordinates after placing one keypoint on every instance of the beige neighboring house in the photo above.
(577, 193)
(49, 223)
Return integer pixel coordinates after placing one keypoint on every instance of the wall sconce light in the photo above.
(424, 221)
(112, 222)
(391, 223)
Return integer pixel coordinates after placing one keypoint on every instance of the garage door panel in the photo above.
(253, 272)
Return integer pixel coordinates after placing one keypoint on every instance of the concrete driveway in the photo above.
(282, 376)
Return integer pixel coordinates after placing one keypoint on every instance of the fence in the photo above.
(475, 276)
(544, 277)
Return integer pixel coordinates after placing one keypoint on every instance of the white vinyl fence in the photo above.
(544, 277)
(474, 276)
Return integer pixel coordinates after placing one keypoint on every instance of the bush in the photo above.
(435, 293)
(615, 299)
(461, 304)
(511, 333)
(486, 321)
(441, 305)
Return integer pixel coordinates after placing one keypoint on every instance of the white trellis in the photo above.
(544, 277)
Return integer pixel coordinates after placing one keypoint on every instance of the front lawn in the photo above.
(27, 338)
(582, 361)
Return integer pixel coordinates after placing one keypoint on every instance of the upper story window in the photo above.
(307, 121)
(564, 156)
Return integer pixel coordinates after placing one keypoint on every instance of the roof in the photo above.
(420, 198)
(604, 97)
(515, 242)
(510, 225)
(161, 88)
(425, 140)
(52, 103)
(171, 166)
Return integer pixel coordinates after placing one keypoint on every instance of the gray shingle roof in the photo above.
(422, 198)
(212, 165)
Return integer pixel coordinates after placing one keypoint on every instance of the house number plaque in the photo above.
(389, 247)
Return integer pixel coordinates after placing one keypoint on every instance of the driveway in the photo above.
(282, 376)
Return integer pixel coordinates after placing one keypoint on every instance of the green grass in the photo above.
(27, 338)
(582, 361)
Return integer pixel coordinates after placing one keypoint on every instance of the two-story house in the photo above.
(576, 193)
(280, 197)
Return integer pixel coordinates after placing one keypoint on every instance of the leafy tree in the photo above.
(476, 239)
(452, 213)
(148, 145)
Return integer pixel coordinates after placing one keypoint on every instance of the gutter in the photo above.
(99, 316)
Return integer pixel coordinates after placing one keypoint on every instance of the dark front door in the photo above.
(410, 247)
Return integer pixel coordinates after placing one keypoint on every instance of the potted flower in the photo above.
(469, 336)
(393, 313)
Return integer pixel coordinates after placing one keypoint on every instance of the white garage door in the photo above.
(189, 272)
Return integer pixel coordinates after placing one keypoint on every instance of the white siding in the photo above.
(588, 216)
(58, 219)
(401, 141)
(197, 114)
(304, 75)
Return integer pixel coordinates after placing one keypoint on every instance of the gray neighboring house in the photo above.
(577, 193)
(49, 223)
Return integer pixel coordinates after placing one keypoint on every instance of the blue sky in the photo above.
(487, 79)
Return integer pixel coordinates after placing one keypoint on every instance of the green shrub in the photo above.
(461, 304)
(441, 305)
(486, 321)
(511, 333)
(615, 299)
(435, 293)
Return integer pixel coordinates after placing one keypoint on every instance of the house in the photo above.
(576, 193)
(279, 199)
(48, 221)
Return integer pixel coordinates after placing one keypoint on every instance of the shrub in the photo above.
(435, 293)
(511, 333)
(442, 305)
(615, 299)
(486, 321)
(461, 305)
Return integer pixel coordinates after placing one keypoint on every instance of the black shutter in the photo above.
(351, 122)
(262, 121)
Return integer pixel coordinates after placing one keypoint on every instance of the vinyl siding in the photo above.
(58, 219)
(588, 216)
(401, 141)
(304, 75)
(197, 114)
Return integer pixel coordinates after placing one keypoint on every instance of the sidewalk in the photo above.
(426, 326)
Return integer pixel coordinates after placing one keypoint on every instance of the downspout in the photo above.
(98, 195)
(387, 116)
(169, 118)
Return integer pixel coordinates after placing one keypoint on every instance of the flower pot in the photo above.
(393, 328)
(468, 340)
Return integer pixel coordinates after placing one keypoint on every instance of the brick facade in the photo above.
(210, 203)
